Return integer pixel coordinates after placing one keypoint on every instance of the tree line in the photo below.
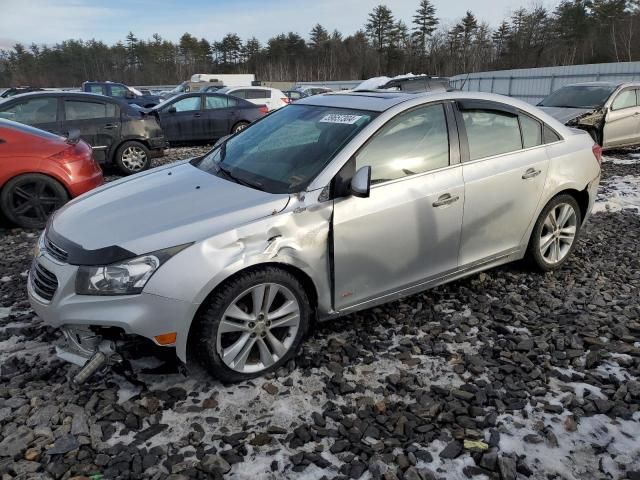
(575, 32)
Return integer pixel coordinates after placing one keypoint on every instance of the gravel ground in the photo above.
(508, 374)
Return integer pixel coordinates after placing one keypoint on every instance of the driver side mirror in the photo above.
(361, 182)
(171, 109)
(129, 95)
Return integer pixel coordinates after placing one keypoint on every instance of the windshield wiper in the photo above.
(239, 181)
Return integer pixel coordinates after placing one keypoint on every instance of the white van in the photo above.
(271, 97)
(228, 80)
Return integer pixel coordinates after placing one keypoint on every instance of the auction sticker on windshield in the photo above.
(340, 118)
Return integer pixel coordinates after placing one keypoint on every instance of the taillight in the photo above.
(264, 109)
(286, 100)
(597, 152)
(73, 153)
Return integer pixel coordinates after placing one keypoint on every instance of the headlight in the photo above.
(124, 278)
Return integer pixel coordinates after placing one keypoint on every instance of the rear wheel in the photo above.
(555, 233)
(239, 127)
(29, 199)
(253, 325)
(132, 157)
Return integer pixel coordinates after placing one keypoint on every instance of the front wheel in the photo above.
(254, 324)
(29, 199)
(555, 233)
(132, 157)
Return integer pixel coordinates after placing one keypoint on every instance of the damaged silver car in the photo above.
(608, 111)
(334, 204)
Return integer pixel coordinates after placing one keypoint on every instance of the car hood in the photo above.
(168, 206)
(565, 115)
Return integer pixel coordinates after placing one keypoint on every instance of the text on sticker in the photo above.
(340, 118)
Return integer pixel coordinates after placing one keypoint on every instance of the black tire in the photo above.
(132, 157)
(534, 254)
(205, 335)
(28, 200)
(239, 126)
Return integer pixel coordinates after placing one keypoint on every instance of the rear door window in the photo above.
(214, 102)
(32, 111)
(83, 110)
(491, 132)
(258, 93)
(239, 93)
(531, 131)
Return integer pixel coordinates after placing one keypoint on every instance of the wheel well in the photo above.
(301, 276)
(582, 197)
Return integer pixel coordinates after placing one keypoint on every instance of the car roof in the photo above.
(379, 101)
(84, 95)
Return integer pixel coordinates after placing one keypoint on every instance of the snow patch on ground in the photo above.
(634, 160)
(618, 193)
(575, 457)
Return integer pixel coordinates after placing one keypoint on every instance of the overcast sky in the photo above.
(50, 21)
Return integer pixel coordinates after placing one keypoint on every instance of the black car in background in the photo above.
(123, 92)
(117, 132)
(204, 117)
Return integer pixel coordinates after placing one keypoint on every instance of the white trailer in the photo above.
(228, 80)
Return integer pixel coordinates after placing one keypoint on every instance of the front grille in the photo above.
(55, 251)
(43, 282)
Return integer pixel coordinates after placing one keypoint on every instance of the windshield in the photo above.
(579, 96)
(286, 150)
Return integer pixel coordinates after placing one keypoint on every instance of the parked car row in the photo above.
(230, 257)
(128, 135)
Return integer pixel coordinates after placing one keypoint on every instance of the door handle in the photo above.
(197, 115)
(445, 199)
(110, 126)
(531, 173)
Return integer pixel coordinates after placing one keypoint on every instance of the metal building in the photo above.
(533, 84)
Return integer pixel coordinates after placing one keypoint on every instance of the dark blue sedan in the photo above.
(205, 117)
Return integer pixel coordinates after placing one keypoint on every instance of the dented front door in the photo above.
(406, 232)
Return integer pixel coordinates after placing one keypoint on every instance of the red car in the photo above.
(40, 171)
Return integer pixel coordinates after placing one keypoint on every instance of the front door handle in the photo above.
(445, 199)
(197, 115)
(110, 126)
(531, 173)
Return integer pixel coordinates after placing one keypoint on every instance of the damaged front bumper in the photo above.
(87, 349)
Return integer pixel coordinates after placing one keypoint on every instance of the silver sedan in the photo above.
(328, 206)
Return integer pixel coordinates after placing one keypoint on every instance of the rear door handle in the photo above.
(110, 126)
(531, 173)
(197, 115)
(445, 199)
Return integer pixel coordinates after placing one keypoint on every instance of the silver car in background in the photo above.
(325, 207)
(608, 111)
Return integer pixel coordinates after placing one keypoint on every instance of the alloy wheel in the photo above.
(239, 127)
(558, 233)
(34, 200)
(134, 158)
(258, 328)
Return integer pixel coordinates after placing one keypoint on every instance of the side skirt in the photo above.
(476, 267)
